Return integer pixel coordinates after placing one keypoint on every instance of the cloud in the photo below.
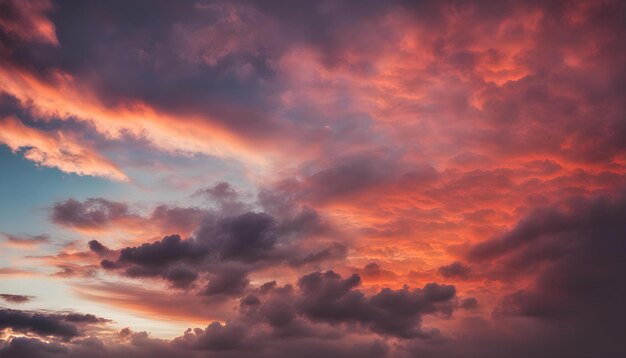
(12, 271)
(63, 326)
(334, 251)
(98, 248)
(222, 191)
(248, 237)
(227, 198)
(222, 251)
(170, 249)
(37, 323)
(184, 306)
(93, 213)
(327, 297)
(56, 150)
(15, 298)
(26, 241)
(227, 280)
(84, 318)
(469, 303)
(475, 143)
(455, 270)
(216, 337)
(31, 347)
(28, 20)
(100, 214)
(573, 254)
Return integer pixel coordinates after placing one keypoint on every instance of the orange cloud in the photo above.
(56, 150)
(15, 272)
(153, 302)
(65, 97)
(28, 20)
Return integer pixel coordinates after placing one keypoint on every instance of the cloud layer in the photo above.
(294, 178)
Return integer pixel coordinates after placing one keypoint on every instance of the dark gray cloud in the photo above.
(224, 249)
(216, 337)
(269, 320)
(221, 191)
(179, 277)
(98, 248)
(326, 297)
(37, 323)
(217, 340)
(469, 303)
(225, 197)
(334, 251)
(173, 218)
(160, 253)
(375, 271)
(342, 178)
(100, 213)
(63, 326)
(31, 347)
(455, 270)
(93, 213)
(227, 280)
(15, 298)
(27, 240)
(575, 254)
(84, 318)
(248, 237)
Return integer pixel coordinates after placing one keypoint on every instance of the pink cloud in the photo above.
(57, 150)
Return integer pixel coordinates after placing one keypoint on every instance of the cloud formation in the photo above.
(56, 150)
(60, 326)
(293, 178)
(15, 298)
(221, 252)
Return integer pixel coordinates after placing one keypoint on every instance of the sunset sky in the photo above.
(239, 179)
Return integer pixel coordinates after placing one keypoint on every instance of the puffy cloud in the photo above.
(374, 271)
(93, 213)
(205, 341)
(287, 312)
(98, 248)
(327, 297)
(216, 337)
(223, 250)
(469, 303)
(43, 324)
(455, 270)
(222, 191)
(99, 214)
(248, 237)
(63, 326)
(227, 280)
(227, 198)
(31, 347)
(169, 249)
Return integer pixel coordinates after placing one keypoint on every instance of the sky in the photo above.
(274, 178)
